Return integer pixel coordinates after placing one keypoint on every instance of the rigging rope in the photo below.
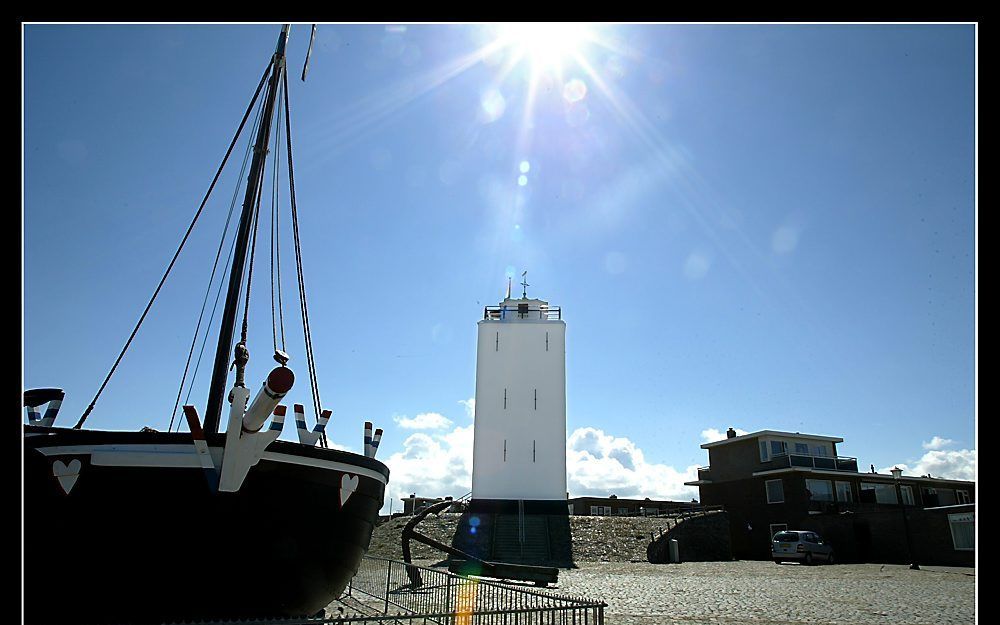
(276, 320)
(208, 288)
(208, 193)
(310, 360)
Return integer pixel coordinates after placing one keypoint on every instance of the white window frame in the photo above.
(906, 493)
(767, 490)
(812, 494)
(783, 528)
(964, 517)
(850, 492)
(820, 451)
(877, 486)
(962, 496)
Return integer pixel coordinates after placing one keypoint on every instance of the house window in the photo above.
(820, 450)
(775, 491)
(962, 496)
(802, 449)
(763, 452)
(963, 531)
(907, 493)
(844, 492)
(878, 493)
(600, 510)
(622, 511)
(946, 497)
(820, 490)
(778, 527)
(778, 448)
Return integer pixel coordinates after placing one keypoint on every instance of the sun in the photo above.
(546, 46)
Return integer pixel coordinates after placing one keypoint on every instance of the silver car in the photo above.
(800, 546)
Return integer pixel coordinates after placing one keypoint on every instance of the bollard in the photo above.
(675, 555)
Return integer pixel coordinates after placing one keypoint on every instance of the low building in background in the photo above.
(770, 481)
(413, 504)
(615, 506)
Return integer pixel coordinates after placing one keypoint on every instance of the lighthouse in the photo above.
(519, 448)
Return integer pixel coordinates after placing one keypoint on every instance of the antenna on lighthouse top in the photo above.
(524, 285)
(508, 286)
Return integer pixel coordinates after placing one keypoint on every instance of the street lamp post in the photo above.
(896, 472)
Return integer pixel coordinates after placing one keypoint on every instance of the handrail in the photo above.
(500, 313)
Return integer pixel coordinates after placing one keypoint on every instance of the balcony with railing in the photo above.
(828, 463)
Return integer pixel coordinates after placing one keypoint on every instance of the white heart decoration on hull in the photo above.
(348, 484)
(67, 473)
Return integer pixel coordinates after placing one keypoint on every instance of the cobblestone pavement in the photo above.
(763, 593)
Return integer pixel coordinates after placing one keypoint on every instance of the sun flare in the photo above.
(547, 46)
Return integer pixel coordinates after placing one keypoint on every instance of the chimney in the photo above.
(730, 433)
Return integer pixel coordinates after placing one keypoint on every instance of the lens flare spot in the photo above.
(575, 90)
(491, 106)
(525, 167)
(522, 180)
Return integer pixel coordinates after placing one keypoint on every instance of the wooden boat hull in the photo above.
(139, 536)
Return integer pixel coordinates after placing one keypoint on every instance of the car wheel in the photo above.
(808, 560)
(829, 558)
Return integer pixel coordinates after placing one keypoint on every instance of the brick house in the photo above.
(769, 481)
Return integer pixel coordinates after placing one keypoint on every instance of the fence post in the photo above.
(447, 596)
(388, 577)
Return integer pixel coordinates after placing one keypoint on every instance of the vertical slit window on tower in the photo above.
(505, 450)
(536, 399)
(498, 341)
(546, 341)
(532, 451)
(505, 399)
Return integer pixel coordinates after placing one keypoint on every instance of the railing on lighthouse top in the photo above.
(518, 310)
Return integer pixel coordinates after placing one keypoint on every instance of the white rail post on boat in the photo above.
(307, 437)
(279, 418)
(368, 439)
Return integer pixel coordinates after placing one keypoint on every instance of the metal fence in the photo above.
(387, 589)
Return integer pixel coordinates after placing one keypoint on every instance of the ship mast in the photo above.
(255, 181)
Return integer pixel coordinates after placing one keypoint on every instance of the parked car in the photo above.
(800, 546)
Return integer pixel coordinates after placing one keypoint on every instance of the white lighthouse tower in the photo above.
(519, 449)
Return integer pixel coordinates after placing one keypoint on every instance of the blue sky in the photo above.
(764, 227)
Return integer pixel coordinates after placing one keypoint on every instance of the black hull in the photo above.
(141, 543)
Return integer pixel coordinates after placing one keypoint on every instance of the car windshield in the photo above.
(786, 537)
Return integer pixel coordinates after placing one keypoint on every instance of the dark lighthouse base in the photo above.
(533, 532)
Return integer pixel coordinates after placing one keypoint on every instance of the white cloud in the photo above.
(937, 443)
(470, 407)
(955, 464)
(436, 464)
(423, 421)
(711, 434)
(601, 464)
(431, 465)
